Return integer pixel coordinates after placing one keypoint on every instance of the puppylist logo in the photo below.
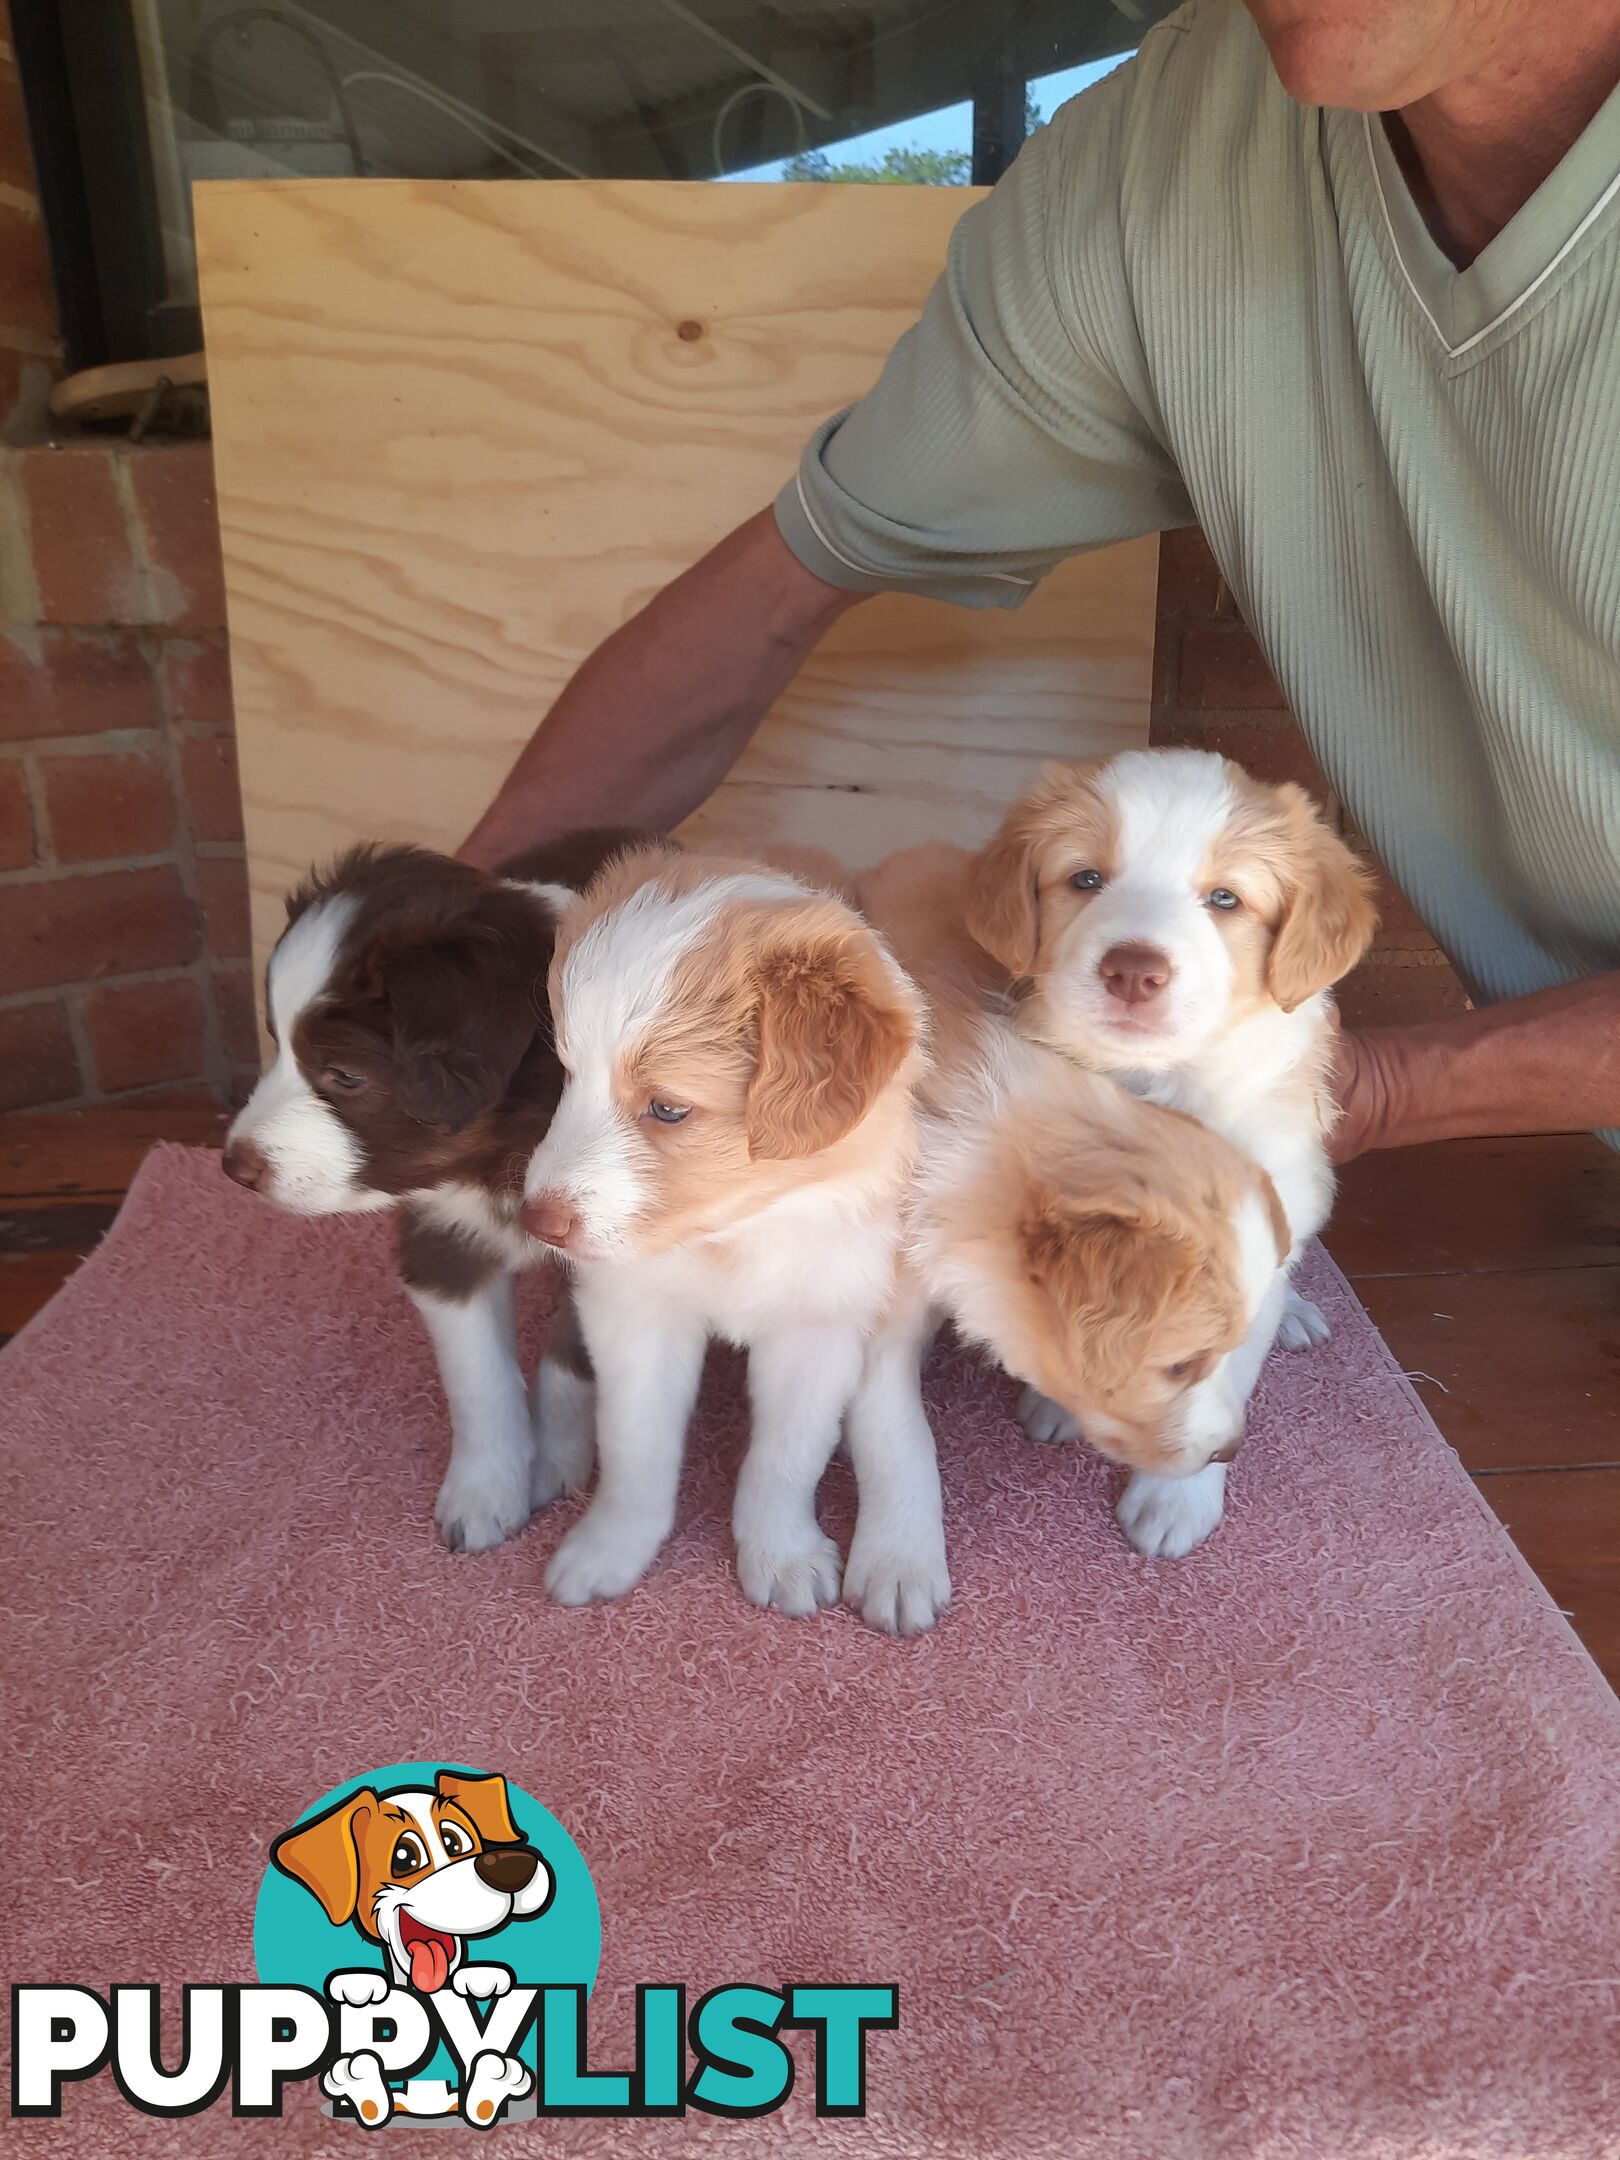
(426, 1939)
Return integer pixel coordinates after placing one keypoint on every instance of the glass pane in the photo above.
(928, 91)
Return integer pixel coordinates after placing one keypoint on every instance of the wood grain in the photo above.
(1481, 1345)
(1476, 1206)
(460, 436)
(1567, 1525)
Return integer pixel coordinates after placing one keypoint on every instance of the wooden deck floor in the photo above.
(1492, 1267)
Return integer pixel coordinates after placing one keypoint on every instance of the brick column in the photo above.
(123, 893)
(1213, 690)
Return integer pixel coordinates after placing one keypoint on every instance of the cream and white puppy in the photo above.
(1112, 1254)
(729, 1157)
(1177, 924)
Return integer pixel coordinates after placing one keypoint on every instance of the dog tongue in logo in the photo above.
(428, 1952)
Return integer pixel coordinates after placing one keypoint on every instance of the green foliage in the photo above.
(904, 166)
(900, 167)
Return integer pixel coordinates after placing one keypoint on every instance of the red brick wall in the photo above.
(123, 895)
(1212, 689)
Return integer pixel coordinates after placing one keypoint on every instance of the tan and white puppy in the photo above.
(730, 1157)
(1111, 1254)
(1177, 924)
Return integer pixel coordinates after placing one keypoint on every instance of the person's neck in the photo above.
(1475, 152)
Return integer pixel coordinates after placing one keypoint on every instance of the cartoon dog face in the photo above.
(420, 1871)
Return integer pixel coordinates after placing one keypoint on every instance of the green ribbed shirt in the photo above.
(1193, 300)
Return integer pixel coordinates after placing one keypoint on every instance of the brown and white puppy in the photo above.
(415, 1068)
(1178, 924)
(730, 1157)
(1111, 1254)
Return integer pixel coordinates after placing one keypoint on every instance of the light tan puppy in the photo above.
(731, 1156)
(1172, 921)
(1111, 1254)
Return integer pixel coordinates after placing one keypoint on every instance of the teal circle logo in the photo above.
(430, 1877)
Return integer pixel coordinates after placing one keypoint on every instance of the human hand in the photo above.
(1359, 1080)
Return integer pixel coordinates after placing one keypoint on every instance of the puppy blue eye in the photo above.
(667, 1113)
(342, 1079)
(1087, 881)
(1221, 898)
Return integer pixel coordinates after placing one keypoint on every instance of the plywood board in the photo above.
(462, 430)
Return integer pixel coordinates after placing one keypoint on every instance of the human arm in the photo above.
(1545, 1063)
(652, 721)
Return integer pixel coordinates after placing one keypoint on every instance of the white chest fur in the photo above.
(821, 1258)
(1262, 1088)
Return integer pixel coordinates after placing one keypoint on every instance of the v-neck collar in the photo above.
(1464, 307)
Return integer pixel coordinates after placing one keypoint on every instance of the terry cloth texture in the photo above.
(1304, 1848)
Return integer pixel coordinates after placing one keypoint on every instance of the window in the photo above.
(133, 100)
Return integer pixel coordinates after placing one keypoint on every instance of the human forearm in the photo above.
(1547, 1063)
(656, 717)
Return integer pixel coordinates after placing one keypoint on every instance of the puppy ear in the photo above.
(1002, 907)
(324, 1855)
(484, 1801)
(834, 1027)
(1328, 914)
(1113, 1275)
(464, 1012)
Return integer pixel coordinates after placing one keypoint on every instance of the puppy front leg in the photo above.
(647, 1362)
(1167, 1517)
(485, 1495)
(1240, 1374)
(897, 1573)
(564, 1408)
(799, 1381)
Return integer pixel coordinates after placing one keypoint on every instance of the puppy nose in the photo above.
(507, 1870)
(246, 1163)
(1134, 973)
(549, 1217)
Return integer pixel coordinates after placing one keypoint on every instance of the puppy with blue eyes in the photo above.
(1166, 919)
(731, 1156)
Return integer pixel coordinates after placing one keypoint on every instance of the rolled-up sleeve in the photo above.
(999, 438)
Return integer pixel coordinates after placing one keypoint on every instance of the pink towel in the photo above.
(1307, 1845)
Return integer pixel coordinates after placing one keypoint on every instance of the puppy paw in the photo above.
(495, 2082)
(1304, 1325)
(902, 1590)
(1167, 1517)
(481, 1982)
(792, 1582)
(358, 1988)
(1044, 1421)
(481, 1508)
(359, 2080)
(603, 1556)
